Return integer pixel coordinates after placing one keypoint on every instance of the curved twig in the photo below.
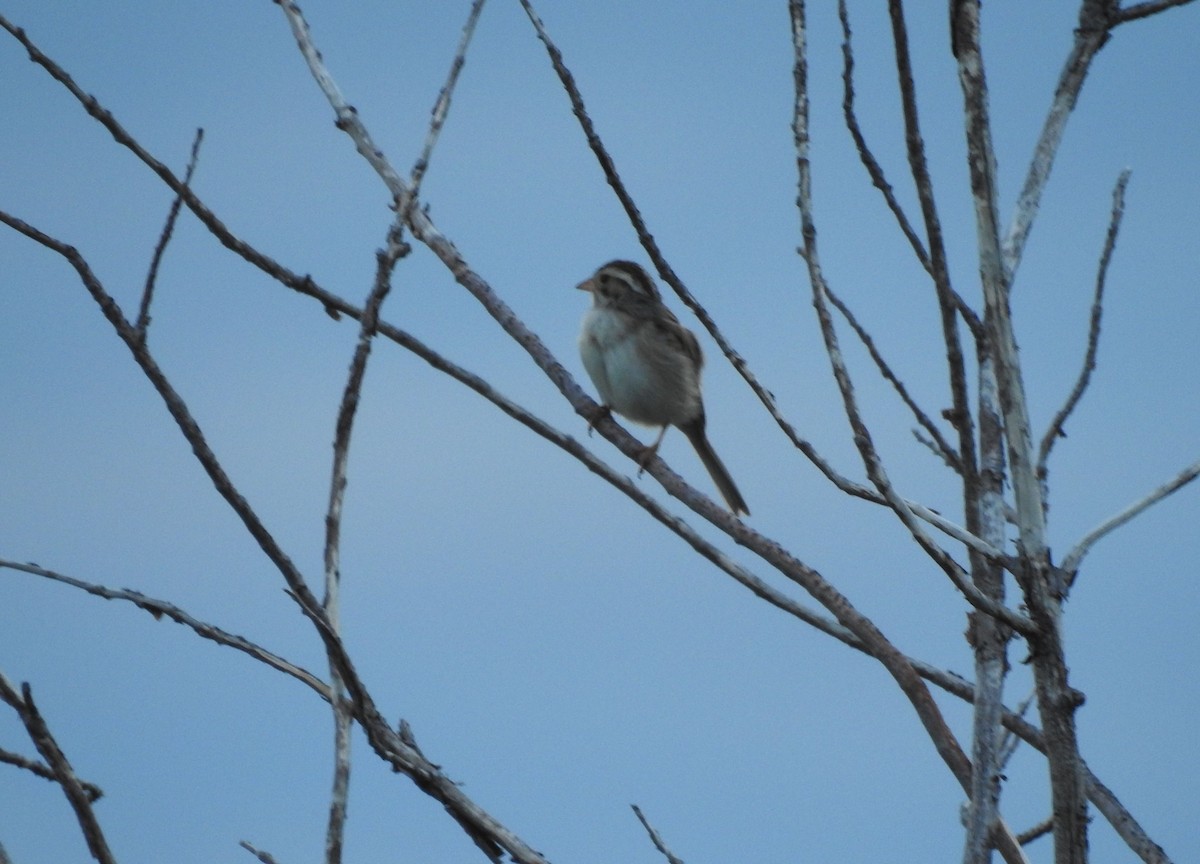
(60, 767)
(143, 318)
(1055, 430)
(94, 793)
(938, 443)
(1071, 563)
(162, 609)
(655, 838)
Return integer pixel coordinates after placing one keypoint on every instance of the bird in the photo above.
(646, 365)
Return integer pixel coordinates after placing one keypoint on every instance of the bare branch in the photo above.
(143, 319)
(1011, 740)
(941, 445)
(64, 774)
(386, 260)
(442, 106)
(1071, 563)
(1090, 36)
(94, 793)
(1122, 821)
(820, 289)
(1055, 430)
(864, 150)
(950, 305)
(1039, 830)
(161, 608)
(264, 857)
(988, 638)
(1145, 10)
(424, 230)
(385, 264)
(654, 837)
(903, 673)
(1057, 701)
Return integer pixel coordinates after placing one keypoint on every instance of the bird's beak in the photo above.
(587, 285)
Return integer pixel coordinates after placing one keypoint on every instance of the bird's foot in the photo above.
(600, 412)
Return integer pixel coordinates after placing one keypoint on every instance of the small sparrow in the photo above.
(646, 364)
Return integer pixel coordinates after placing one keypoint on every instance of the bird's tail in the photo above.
(716, 469)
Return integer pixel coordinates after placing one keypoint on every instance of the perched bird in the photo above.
(646, 364)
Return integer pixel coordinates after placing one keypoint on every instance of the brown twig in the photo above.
(939, 444)
(1055, 429)
(60, 767)
(386, 259)
(655, 837)
(94, 792)
(264, 857)
(162, 609)
(143, 318)
(1144, 10)
(1095, 23)
(441, 107)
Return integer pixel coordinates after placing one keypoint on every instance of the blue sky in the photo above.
(555, 652)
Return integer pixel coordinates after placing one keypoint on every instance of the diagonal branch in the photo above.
(950, 305)
(441, 106)
(655, 837)
(342, 713)
(484, 829)
(1090, 36)
(162, 609)
(94, 793)
(864, 150)
(64, 774)
(939, 444)
(1055, 430)
(1145, 10)
(1071, 563)
(143, 319)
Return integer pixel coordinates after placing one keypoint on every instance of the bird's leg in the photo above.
(650, 452)
(601, 412)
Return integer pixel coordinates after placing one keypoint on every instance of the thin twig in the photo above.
(941, 445)
(865, 154)
(143, 319)
(1144, 10)
(94, 792)
(1037, 831)
(264, 857)
(1012, 741)
(161, 608)
(385, 263)
(56, 760)
(951, 306)
(1055, 429)
(655, 838)
(442, 106)
(1071, 563)
(1090, 36)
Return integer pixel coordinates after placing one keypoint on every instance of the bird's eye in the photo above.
(604, 278)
